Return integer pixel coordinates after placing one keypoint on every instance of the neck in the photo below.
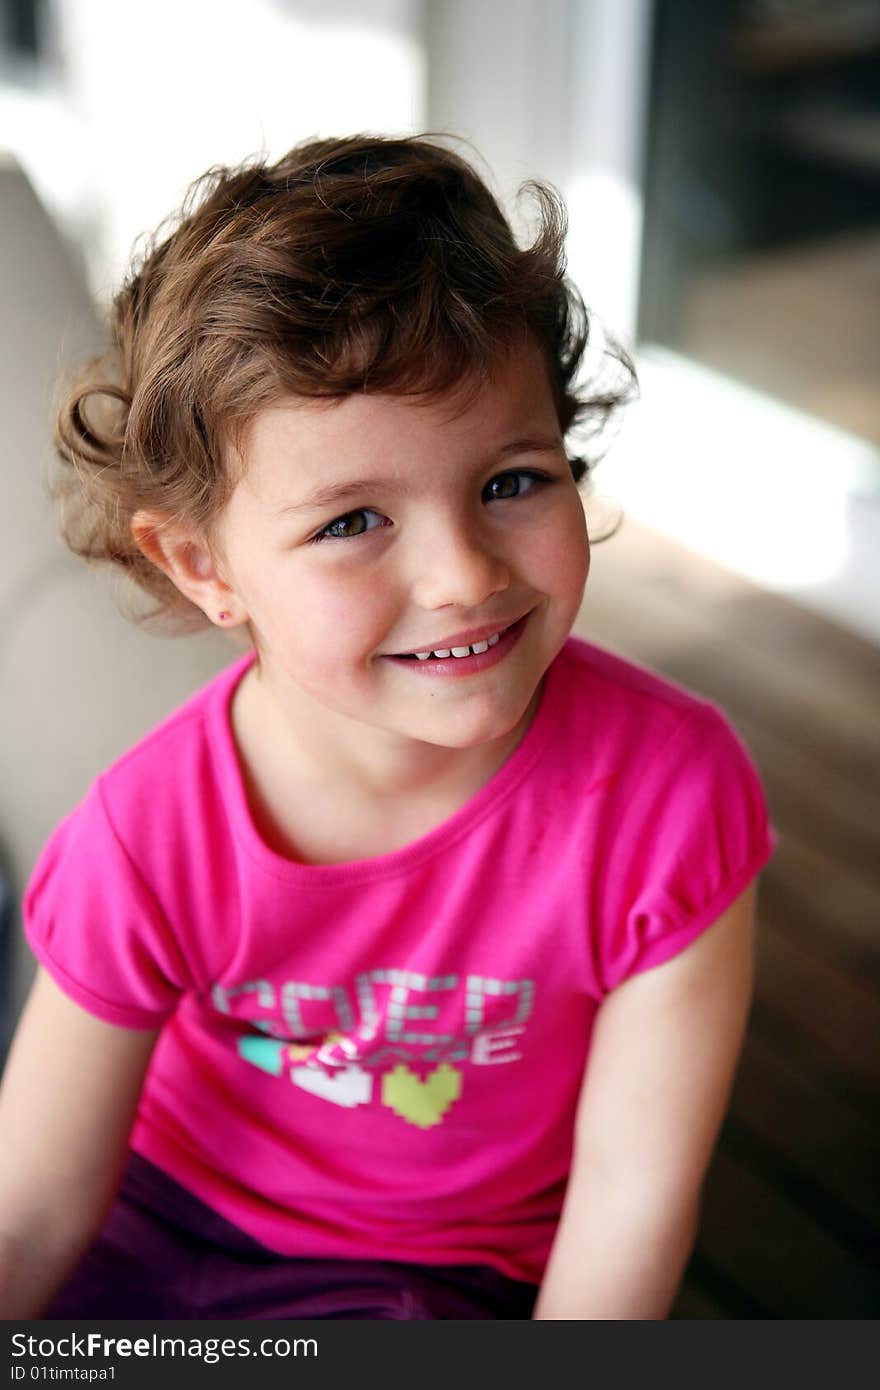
(344, 756)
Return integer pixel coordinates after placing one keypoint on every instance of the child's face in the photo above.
(443, 529)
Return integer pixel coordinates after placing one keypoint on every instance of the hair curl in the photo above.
(358, 264)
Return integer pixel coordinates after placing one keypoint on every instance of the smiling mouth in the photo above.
(454, 653)
(459, 651)
(484, 653)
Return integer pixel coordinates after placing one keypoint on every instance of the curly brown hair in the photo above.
(355, 264)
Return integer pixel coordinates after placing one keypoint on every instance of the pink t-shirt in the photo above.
(381, 1059)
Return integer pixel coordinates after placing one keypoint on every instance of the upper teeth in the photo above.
(473, 650)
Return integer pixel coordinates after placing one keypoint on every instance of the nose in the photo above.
(459, 569)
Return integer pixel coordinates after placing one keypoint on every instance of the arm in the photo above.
(665, 1047)
(67, 1103)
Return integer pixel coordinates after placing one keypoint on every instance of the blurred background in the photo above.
(721, 164)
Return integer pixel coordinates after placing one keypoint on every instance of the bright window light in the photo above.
(752, 483)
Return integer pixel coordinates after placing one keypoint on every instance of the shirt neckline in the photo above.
(481, 804)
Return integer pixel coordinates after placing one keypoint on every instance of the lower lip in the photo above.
(458, 666)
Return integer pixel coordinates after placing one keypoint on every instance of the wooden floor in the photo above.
(798, 322)
(791, 1217)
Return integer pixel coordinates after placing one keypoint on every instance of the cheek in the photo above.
(333, 617)
(359, 602)
(564, 553)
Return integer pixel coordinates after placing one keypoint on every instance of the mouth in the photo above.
(466, 653)
(455, 648)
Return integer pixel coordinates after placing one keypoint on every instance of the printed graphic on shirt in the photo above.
(390, 1036)
(422, 1103)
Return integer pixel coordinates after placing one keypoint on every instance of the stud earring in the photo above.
(224, 616)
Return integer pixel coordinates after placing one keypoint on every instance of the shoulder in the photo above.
(135, 810)
(115, 906)
(177, 763)
(616, 709)
(182, 728)
(592, 670)
(679, 823)
(664, 780)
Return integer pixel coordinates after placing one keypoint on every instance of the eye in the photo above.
(514, 484)
(352, 524)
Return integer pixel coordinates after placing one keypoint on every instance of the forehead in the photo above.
(303, 440)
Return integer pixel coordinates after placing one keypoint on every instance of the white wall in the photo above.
(608, 79)
(157, 93)
(497, 75)
(555, 89)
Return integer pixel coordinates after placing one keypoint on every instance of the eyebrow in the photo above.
(335, 493)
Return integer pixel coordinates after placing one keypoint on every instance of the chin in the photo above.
(472, 733)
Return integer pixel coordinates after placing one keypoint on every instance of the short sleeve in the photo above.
(693, 831)
(93, 924)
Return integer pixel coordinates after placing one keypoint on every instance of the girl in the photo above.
(324, 958)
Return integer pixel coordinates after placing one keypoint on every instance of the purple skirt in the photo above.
(162, 1253)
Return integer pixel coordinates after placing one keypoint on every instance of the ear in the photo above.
(184, 555)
